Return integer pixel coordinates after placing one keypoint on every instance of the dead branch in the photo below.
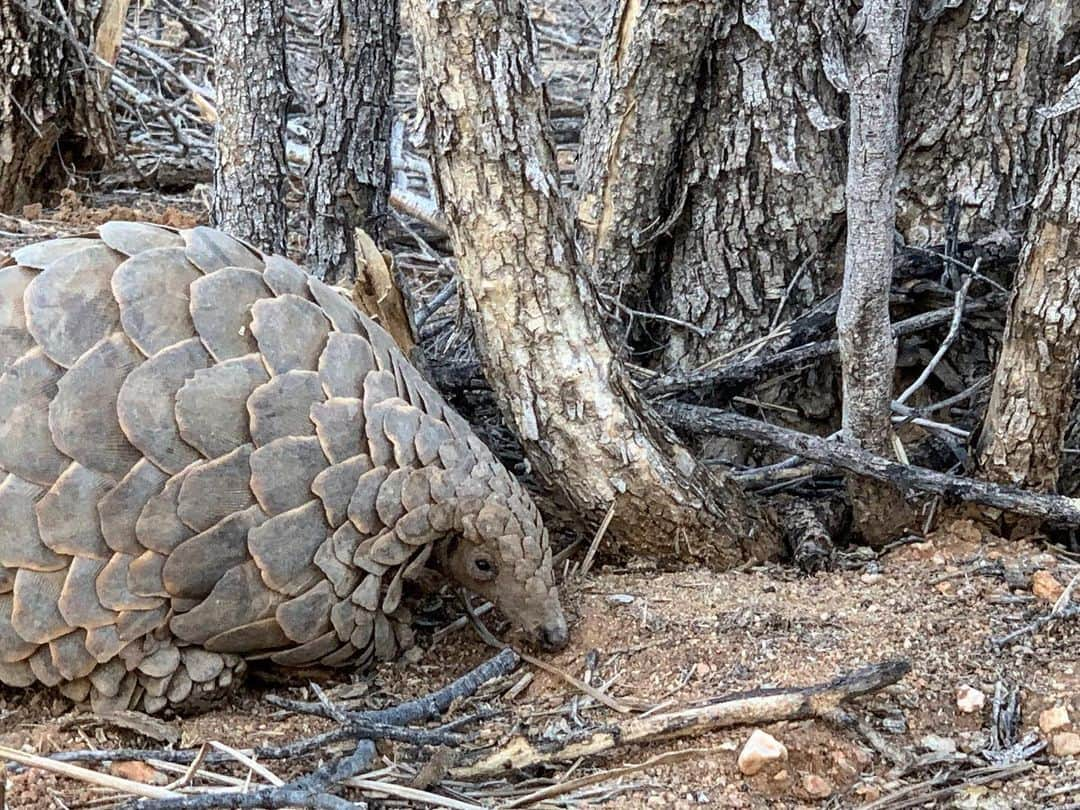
(1063, 609)
(737, 376)
(756, 707)
(1054, 509)
(311, 790)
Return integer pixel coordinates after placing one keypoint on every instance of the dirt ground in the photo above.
(681, 637)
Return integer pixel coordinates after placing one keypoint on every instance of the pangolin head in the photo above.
(501, 552)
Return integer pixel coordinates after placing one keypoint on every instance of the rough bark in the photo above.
(250, 171)
(763, 175)
(632, 141)
(712, 166)
(54, 116)
(976, 73)
(348, 180)
(1024, 430)
(582, 427)
(867, 351)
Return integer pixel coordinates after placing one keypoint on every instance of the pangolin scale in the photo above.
(209, 457)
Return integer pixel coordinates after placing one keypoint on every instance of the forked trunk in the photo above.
(584, 430)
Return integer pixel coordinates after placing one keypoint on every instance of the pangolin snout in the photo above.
(553, 635)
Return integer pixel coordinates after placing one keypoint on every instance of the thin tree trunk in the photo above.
(583, 429)
(1023, 434)
(867, 351)
(54, 115)
(348, 181)
(250, 171)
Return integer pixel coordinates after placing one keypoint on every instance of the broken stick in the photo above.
(748, 708)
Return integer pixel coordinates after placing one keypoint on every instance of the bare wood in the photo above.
(582, 426)
(757, 707)
(1054, 509)
(86, 775)
(110, 29)
(376, 293)
(250, 170)
(1032, 396)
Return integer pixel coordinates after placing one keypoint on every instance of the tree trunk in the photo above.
(54, 115)
(976, 72)
(648, 72)
(867, 351)
(583, 429)
(250, 172)
(348, 181)
(1023, 434)
(712, 166)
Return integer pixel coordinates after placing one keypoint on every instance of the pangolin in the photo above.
(209, 457)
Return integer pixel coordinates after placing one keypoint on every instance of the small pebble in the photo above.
(940, 745)
(1045, 586)
(895, 724)
(816, 786)
(1065, 744)
(1053, 719)
(969, 699)
(760, 749)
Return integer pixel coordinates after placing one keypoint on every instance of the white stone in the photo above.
(761, 749)
(969, 699)
(940, 745)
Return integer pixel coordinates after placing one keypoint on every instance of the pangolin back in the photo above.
(207, 456)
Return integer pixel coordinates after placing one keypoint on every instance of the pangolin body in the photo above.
(208, 456)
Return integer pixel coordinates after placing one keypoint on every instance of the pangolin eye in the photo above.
(485, 568)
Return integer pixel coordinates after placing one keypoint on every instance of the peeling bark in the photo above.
(250, 171)
(631, 145)
(583, 429)
(348, 181)
(867, 351)
(1024, 430)
(976, 73)
(762, 177)
(711, 171)
(54, 115)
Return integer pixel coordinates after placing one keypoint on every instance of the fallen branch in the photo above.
(737, 376)
(1054, 509)
(314, 789)
(749, 708)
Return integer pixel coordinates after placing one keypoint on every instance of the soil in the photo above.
(686, 636)
(680, 637)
